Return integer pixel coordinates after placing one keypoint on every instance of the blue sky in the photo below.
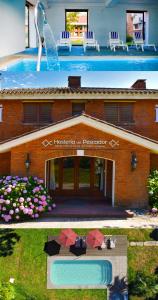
(91, 79)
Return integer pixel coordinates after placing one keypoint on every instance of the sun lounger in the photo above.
(138, 41)
(90, 41)
(64, 41)
(116, 42)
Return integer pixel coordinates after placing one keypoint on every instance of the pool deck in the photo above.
(119, 250)
(117, 257)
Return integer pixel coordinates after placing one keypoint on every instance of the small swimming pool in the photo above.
(81, 272)
(126, 64)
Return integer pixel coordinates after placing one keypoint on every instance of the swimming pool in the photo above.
(126, 64)
(81, 272)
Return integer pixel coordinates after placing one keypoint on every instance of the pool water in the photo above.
(81, 272)
(139, 64)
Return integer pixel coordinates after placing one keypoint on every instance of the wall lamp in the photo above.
(134, 161)
(27, 161)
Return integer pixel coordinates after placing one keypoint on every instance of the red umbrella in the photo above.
(67, 237)
(95, 238)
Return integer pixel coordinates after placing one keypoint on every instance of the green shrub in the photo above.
(22, 198)
(7, 291)
(129, 39)
(152, 186)
(145, 286)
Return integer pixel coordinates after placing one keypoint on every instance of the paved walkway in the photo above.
(135, 222)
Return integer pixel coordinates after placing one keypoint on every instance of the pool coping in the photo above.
(117, 263)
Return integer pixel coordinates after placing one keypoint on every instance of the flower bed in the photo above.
(22, 198)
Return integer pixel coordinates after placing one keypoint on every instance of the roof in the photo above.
(103, 126)
(81, 92)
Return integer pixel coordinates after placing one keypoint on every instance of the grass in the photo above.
(27, 264)
(141, 259)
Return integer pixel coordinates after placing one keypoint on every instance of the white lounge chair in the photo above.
(90, 41)
(139, 41)
(115, 42)
(64, 41)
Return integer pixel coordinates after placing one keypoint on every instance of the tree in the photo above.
(144, 285)
(71, 19)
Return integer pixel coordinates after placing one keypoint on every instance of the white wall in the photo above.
(102, 19)
(12, 26)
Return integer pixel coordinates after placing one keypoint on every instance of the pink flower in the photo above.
(7, 218)
(53, 205)
(40, 208)
(49, 208)
(21, 199)
(36, 215)
(17, 210)
(35, 200)
(21, 207)
(25, 211)
(7, 201)
(8, 190)
(43, 197)
(17, 217)
(11, 212)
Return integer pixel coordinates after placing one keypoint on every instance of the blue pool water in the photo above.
(139, 64)
(81, 272)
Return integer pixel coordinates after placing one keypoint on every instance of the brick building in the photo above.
(101, 142)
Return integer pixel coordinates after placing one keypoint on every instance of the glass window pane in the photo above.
(68, 173)
(84, 173)
(99, 174)
(54, 174)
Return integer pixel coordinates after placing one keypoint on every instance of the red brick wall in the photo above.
(12, 125)
(130, 186)
(5, 159)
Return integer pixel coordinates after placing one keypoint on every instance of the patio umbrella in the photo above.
(95, 238)
(67, 237)
(52, 248)
(77, 251)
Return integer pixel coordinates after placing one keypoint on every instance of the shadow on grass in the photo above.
(8, 240)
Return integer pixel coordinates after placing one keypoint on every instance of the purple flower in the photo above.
(35, 200)
(7, 218)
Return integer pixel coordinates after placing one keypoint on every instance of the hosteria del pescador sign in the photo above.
(80, 143)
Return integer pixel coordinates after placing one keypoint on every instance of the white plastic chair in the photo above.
(139, 41)
(90, 41)
(64, 41)
(116, 42)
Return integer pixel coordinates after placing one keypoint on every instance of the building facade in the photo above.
(85, 142)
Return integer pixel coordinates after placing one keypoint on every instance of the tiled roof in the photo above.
(81, 90)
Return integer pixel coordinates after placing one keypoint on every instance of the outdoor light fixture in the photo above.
(27, 161)
(134, 161)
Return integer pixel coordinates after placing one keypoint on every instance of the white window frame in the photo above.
(156, 113)
(1, 113)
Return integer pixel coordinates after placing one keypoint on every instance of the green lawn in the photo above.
(27, 263)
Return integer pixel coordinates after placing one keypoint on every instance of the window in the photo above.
(38, 113)
(119, 113)
(27, 20)
(78, 108)
(156, 110)
(1, 113)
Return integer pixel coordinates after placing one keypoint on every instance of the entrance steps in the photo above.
(66, 210)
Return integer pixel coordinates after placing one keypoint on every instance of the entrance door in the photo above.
(80, 176)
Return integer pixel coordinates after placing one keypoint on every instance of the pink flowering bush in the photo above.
(22, 198)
